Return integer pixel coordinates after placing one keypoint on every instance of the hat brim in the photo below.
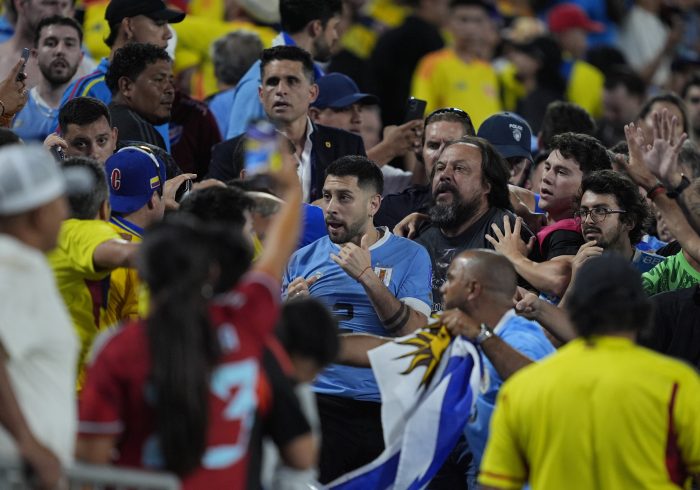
(168, 15)
(127, 204)
(365, 99)
(593, 26)
(512, 151)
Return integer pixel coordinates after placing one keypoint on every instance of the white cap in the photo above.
(30, 178)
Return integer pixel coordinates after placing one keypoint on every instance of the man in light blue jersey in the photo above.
(57, 51)
(374, 282)
(309, 24)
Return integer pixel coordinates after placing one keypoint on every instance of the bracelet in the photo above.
(3, 108)
(655, 191)
(363, 271)
(685, 182)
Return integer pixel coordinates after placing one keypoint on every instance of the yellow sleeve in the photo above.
(96, 29)
(687, 422)
(502, 465)
(511, 89)
(77, 242)
(426, 84)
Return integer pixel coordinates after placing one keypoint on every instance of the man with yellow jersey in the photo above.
(457, 76)
(602, 412)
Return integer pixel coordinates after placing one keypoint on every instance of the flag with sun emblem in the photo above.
(428, 382)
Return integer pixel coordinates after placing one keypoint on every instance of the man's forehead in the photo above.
(556, 158)
(98, 126)
(283, 68)
(336, 182)
(462, 151)
(590, 198)
(58, 30)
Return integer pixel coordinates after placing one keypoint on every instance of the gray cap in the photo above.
(30, 178)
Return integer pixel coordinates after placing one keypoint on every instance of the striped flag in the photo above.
(428, 383)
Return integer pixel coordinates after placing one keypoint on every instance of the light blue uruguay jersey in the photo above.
(403, 266)
(36, 119)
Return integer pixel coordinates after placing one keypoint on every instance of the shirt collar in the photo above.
(127, 226)
(504, 321)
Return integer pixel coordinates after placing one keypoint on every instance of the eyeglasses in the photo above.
(597, 215)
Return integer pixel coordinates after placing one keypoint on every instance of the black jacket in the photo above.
(328, 144)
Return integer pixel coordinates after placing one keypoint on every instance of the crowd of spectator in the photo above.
(211, 211)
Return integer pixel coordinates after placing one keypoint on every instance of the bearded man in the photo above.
(470, 193)
(373, 282)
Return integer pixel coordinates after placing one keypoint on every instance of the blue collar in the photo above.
(127, 226)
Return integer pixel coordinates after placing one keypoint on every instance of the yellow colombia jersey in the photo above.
(444, 80)
(599, 414)
(124, 284)
(84, 289)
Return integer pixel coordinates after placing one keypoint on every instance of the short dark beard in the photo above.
(452, 216)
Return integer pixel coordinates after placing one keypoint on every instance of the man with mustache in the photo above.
(141, 80)
(470, 194)
(57, 51)
(375, 283)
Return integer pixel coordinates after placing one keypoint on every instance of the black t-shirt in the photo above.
(395, 207)
(676, 329)
(561, 242)
(133, 127)
(283, 422)
(443, 249)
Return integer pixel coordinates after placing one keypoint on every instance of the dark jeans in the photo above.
(351, 432)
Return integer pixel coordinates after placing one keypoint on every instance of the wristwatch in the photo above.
(674, 193)
(485, 333)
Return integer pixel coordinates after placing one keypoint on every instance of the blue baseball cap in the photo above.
(134, 174)
(336, 91)
(509, 133)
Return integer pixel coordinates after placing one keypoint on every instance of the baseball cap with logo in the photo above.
(509, 133)
(567, 16)
(134, 174)
(30, 178)
(155, 9)
(336, 91)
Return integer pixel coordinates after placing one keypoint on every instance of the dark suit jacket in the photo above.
(327, 145)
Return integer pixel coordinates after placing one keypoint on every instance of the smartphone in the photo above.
(415, 109)
(261, 152)
(25, 56)
(58, 153)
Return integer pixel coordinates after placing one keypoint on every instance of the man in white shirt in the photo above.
(38, 348)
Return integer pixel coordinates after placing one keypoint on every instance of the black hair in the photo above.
(451, 114)
(296, 14)
(8, 137)
(588, 152)
(669, 98)
(628, 78)
(130, 61)
(689, 157)
(57, 20)
(565, 117)
(494, 171)
(82, 111)
(225, 205)
(621, 148)
(605, 58)
(184, 262)
(233, 54)
(368, 174)
(693, 81)
(484, 5)
(290, 53)
(626, 194)
(307, 329)
(87, 205)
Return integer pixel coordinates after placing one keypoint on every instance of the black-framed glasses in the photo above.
(597, 214)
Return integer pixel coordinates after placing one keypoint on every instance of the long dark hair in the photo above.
(184, 263)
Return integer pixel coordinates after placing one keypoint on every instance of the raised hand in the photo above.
(508, 242)
(354, 260)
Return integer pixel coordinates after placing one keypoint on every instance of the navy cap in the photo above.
(509, 133)
(336, 91)
(155, 9)
(134, 174)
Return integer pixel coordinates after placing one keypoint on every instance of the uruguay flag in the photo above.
(428, 383)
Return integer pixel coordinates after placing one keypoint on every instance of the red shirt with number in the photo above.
(117, 399)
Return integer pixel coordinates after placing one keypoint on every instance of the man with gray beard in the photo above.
(470, 193)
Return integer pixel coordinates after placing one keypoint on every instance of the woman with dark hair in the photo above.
(180, 390)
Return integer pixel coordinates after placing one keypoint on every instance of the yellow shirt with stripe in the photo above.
(599, 414)
(124, 284)
(442, 79)
(84, 289)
